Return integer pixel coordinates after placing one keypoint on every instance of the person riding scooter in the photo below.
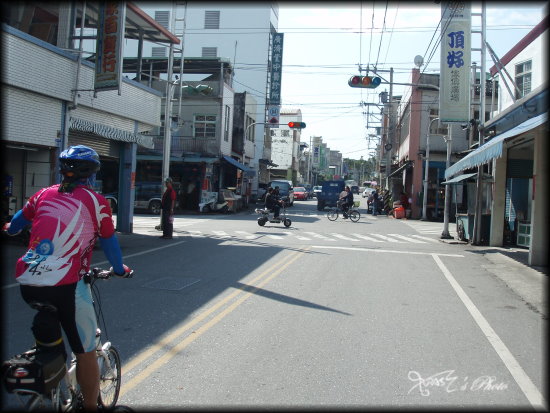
(272, 203)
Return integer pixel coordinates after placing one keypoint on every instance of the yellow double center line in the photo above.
(173, 350)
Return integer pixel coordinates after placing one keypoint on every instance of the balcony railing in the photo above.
(181, 144)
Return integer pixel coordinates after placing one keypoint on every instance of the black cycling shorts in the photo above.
(75, 310)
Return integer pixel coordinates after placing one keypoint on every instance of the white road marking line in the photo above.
(387, 238)
(366, 237)
(314, 234)
(196, 234)
(390, 251)
(407, 238)
(221, 234)
(247, 235)
(274, 236)
(302, 238)
(343, 237)
(425, 238)
(522, 379)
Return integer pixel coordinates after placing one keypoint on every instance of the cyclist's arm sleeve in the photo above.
(18, 222)
(111, 248)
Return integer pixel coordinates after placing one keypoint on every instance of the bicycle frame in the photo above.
(66, 395)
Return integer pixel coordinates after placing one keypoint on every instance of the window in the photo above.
(523, 79)
(209, 52)
(434, 130)
(162, 18)
(212, 19)
(251, 133)
(226, 124)
(285, 132)
(204, 126)
(158, 51)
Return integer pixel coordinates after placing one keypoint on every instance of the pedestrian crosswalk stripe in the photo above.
(407, 238)
(366, 237)
(387, 238)
(222, 234)
(343, 237)
(314, 234)
(302, 238)
(247, 235)
(426, 238)
(196, 234)
(274, 236)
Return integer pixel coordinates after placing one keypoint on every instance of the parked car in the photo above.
(148, 195)
(286, 191)
(317, 190)
(300, 193)
(367, 192)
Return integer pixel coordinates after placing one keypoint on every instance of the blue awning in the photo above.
(493, 148)
(197, 159)
(247, 171)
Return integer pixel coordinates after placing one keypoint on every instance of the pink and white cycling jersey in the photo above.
(65, 227)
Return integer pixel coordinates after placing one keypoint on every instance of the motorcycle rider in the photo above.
(272, 203)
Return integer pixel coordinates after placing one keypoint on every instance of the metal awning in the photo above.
(459, 178)
(110, 133)
(401, 169)
(244, 168)
(493, 148)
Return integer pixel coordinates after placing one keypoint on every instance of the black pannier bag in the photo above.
(36, 370)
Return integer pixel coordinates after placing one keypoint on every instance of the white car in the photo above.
(367, 192)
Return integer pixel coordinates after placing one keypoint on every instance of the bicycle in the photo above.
(65, 395)
(353, 214)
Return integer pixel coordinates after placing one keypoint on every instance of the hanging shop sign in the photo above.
(109, 46)
(275, 86)
(456, 50)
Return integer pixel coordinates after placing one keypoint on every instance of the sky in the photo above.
(325, 45)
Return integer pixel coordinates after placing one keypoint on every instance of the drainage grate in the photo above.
(170, 283)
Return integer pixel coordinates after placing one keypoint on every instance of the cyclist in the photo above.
(346, 201)
(67, 219)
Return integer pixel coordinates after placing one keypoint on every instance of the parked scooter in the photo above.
(266, 215)
(214, 205)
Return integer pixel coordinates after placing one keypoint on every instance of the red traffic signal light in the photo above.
(296, 125)
(369, 82)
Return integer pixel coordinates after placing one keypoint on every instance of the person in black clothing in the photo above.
(167, 213)
(346, 199)
(272, 203)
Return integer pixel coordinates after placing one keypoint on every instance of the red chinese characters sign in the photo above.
(110, 39)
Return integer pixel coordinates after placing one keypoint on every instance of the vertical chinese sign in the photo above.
(454, 84)
(110, 41)
(275, 86)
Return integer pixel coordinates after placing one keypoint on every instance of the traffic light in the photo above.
(364, 81)
(296, 125)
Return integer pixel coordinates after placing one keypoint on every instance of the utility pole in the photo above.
(479, 192)
(426, 172)
(445, 234)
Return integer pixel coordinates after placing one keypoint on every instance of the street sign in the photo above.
(273, 113)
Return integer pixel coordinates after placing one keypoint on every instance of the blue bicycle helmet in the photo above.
(78, 162)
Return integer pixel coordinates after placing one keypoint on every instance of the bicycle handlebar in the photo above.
(101, 274)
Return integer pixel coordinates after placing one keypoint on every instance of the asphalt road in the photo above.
(321, 314)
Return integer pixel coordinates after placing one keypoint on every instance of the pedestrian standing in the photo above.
(168, 202)
(375, 205)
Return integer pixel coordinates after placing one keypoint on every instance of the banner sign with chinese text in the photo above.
(276, 72)
(454, 83)
(110, 41)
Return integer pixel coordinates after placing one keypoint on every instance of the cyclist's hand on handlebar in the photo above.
(6, 227)
(128, 273)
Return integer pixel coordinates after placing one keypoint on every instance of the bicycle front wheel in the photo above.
(110, 375)
(332, 214)
(354, 215)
